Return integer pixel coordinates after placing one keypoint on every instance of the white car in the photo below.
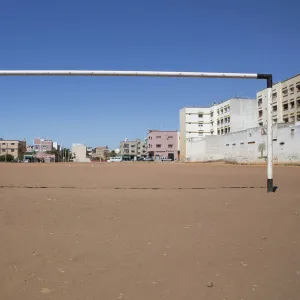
(115, 159)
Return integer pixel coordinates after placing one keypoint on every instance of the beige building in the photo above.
(13, 147)
(286, 102)
(101, 153)
(79, 153)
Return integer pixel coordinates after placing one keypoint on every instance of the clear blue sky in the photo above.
(213, 36)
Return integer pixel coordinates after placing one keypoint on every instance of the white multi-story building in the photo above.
(285, 102)
(232, 115)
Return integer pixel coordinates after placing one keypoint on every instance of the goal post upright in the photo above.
(267, 77)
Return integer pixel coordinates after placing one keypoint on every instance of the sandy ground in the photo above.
(148, 231)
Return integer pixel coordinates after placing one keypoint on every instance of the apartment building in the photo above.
(162, 144)
(231, 115)
(285, 102)
(13, 147)
(42, 145)
(130, 150)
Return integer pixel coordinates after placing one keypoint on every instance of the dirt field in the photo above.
(148, 231)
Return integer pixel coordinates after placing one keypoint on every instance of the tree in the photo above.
(7, 157)
(112, 153)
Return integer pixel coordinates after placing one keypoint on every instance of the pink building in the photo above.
(42, 145)
(162, 144)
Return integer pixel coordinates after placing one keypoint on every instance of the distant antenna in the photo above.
(126, 139)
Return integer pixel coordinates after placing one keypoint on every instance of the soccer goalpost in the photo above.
(267, 77)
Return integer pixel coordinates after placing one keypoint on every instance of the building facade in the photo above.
(162, 144)
(13, 147)
(42, 145)
(231, 115)
(285, 102)
(100, 153)
(79, 153)
(132, 150)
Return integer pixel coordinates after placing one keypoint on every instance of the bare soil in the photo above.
(148, 231)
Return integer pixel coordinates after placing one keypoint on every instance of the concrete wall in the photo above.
(247, 146)
(79, 151)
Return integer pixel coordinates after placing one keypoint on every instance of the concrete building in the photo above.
(100, 153)
(231, 115)
(162, 144)
(79, 153)
(248, 146)
(285, 99)
(132, 149)
(13, 147)
(42, 145)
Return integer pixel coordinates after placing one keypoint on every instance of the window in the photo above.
(126, 145)
(225, 110)
(149, 146)
(274, 121)
(292, 104)
(284, 92)
(228, 129)
(260, 113)
(260, 123)
(221, 110)
(218, 132)
(225, 120)
(170, 146)
(259, 102)
(292, 89)
(3, 150)
(285, 106)
(222, 121)
(292, 119)
(298, 103)
(200, 125)
(200, 115)
(158, 145)
(298, 87)
(12, 150)
(228, 119)
(211, 114)
(225, 130)
(132, 146)
(298, 117)
(3, 144)
(170, 137)
(286, 120)
(132, 151)
(274, 95)
(12, 144)
(222, 131)
(200, 133)
(158, 137)
(275, 108)
(218, 122)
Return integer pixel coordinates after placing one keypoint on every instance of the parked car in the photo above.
(115, 159)
(165, 159)
(148, 159)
